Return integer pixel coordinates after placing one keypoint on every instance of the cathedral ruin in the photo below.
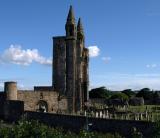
(70, 78)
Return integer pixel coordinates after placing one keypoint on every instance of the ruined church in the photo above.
(70, 79)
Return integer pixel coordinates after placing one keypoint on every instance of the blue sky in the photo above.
(123, 36)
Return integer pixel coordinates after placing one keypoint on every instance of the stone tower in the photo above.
(70, 64)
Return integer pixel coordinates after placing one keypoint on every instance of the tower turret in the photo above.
(79, 57)
(80, 32)
(71, 33)
(10, 88)
(70, 24)
(80, 38)
(70, 64)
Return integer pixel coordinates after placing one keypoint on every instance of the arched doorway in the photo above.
(42, 106)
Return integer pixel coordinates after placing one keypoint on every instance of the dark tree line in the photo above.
(145, 93)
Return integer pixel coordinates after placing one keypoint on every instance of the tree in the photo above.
(156, 97)
(145, 93)
(128, 92)
(100, 92)
(121, 96)
(156, 130)
(156, 94)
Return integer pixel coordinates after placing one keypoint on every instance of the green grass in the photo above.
(153, 110)
(143, 108)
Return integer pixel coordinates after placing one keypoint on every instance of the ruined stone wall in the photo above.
(12, 110)
(2, 99)
(2, 96)
(59, 64)
(76, 123)
(71, 72)
(32, 98)
(10, 89)
(86, 75)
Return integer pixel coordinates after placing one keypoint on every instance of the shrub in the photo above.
(145, 93)
(156, 130)
(34, 129)
(100, 92)
(121, 96)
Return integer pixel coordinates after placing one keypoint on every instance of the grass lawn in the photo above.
(154, 110)
(149, 108)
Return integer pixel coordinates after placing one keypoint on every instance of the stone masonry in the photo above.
(70, 64)
(69, 90)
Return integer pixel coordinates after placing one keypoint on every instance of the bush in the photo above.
(128, 92)
(145, 93)
(100, 92)
(34, 129)
(120, 96)
(156, 131)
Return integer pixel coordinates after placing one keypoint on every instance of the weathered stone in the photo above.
(69, 90)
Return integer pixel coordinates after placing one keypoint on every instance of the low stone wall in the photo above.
(75, 123)
(32, 98)
(12, 110)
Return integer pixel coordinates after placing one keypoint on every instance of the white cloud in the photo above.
(106, 59)
(16, 55)
(151, 65)
(94, 51)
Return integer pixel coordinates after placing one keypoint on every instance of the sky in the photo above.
(122, 36)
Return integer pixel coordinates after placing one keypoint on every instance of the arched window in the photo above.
(42, 106)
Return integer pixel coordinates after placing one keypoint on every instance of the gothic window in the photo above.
(42, 106)
(41, 95)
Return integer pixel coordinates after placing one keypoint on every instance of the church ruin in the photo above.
(69, 90)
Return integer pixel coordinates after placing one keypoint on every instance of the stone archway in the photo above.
(42, 106)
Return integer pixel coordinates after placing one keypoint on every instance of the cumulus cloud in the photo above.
(94, 51)
(106, 59)
(16, 55)
(151, 65)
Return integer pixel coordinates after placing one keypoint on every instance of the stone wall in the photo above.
(59, 64)
(10, 89)
(2, 99)
(2, 96)
(32, 98)
(11, 110)
(43, 88)
(75, 123)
